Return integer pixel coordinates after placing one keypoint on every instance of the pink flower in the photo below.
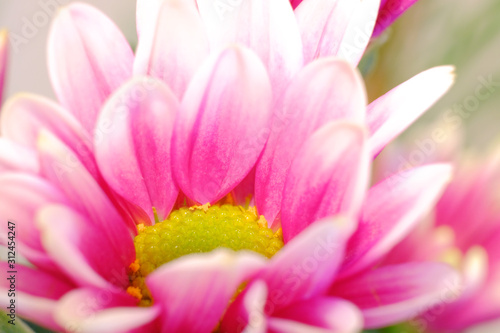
(464, 231)
(3, 59)
(240, 147)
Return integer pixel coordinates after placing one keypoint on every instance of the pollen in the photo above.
(199, 229)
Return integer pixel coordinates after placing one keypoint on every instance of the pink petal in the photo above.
(329, 176)
(322, 314)
(194, 304)
(390, 10)
(71, 241)
(336, 27)
(393, 294)
(325, 90)
(267, 27)
(307, 265)
(60, 165)
(102, 311)
(14, 157)
(4, 49)
(391, 210)
(147, 13)
(133, 153)
(223, 125)
(26, 115)
(392, 113)
(88, 59)
(174, 46)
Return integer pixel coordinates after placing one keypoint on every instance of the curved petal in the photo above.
(390, 10)
(80, 249)
(14, 157)
(336, 27)
(392, 113)
(88, 59)
(325, 90)
(194, 304)
(175, 47)
(329, 176)
(391, 210)
(3, 59)
(93, 310)
(133, 144)
(223, 126)
(267, 27)
(60, 165)
(393, 294)
(24, 116)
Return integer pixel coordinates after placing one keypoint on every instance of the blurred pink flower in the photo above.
(88, 182)
(3, 59)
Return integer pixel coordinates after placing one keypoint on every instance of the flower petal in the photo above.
(325, 90)
(3, 59)
(329, 176)
(146, 15)
(100, 311)
(14, 157)
(393, 294)
(133, 150)
(392, 113)
(194, 304)
(336, 27)
(88, 59)
(175, 47)
(390, 10)
(391, 210)
(267, 27)
(223, 126)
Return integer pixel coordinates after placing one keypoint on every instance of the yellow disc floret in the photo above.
(199, 229)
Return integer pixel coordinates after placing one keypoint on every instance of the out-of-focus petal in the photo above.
(391, 209)
(329, 176)
(390, 10)
(133, 152)
(176, 46)
(223, 125)
(325, 90)
(3, 59)
(146, 15)
(336, 27)
(397, 293)
(88, 59)
(199, 288)
(14, 157)
(393, 112)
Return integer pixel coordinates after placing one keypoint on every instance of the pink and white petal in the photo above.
(194, 304)
(176, 46)
(336, 27)
(329, 176)
(396, 293)
(267, 27)
(24, 116)
(393, 112)
(390, 10)
(80, 249)
(4, 49)
(223, 126)
(391, 210)
(246, 313)
(325, 90)
(62, 168)
(92, 310)
(146, 15)
(321, 314)
(307, 265)
(134, 152)
(14, 157)
(88, 59)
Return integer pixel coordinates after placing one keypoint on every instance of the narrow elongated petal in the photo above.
(397, 293)
(329, 176)
(146, 15)
(14, 157)
(393, 112)
(176, 46)
(325, 90)
(390, 10)
(391, 210)
(60, 165)
(194, 304)
(134, 152)
(268, 27)
(223, 126)
(92, 310)
(336, 27)
(88, 59)
(3, 59)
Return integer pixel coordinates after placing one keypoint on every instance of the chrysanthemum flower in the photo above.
(464, 231)
(222, 187)
(3, 59)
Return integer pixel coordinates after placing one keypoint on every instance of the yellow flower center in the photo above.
(198, 229)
